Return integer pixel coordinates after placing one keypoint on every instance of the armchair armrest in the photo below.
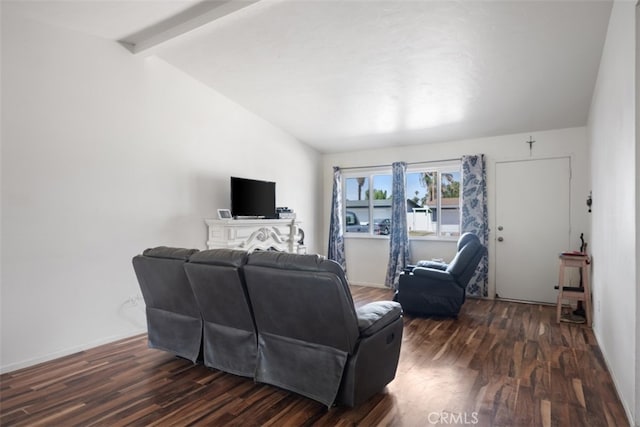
(376, 315)
(431, 273)
(435, 280)
(433, 264)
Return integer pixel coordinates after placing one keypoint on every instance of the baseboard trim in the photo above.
(65, 352)
(615, 380)
(370, 285)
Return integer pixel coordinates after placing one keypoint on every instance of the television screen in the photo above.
(252, 198)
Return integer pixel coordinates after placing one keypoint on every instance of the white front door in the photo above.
(532, 227)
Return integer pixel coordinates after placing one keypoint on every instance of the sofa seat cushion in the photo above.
(375, 316)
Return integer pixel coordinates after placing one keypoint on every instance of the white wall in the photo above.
(637, 83)
(367, 257)
(614, 175)
(103, 155)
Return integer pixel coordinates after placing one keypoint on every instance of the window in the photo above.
(368, 204)
(433, 201)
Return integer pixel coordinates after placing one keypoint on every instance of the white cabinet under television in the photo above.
(251, 234)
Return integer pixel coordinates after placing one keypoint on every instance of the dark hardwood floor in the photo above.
(498, 364)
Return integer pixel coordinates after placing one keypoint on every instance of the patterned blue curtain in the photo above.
(336, 230)
(398, 236)
(474, 216)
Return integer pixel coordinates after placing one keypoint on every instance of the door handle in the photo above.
(500, 239)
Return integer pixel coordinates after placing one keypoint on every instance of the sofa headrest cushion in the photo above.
(289, 261)
(169, 253)
(220, 257)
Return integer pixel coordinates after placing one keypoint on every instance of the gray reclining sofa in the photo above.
(282, 319)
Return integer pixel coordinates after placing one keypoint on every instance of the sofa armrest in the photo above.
(374, 316)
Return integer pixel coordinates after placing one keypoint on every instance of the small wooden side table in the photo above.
(577, 293)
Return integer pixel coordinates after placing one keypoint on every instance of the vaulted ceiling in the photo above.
(345, 75)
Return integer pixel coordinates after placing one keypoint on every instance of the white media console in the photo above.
(251, 234)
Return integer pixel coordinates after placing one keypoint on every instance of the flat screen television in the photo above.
(251, 198)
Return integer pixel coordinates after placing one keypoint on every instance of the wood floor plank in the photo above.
(498, 364)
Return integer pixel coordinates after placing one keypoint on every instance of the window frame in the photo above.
(369, 173)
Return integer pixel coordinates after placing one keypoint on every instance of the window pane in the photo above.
(421, 203)
(450, 203)
(382, 204)
(357, 205)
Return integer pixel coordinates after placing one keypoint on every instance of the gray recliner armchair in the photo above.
(174, 323)
(229, 339)
(311, 339)
(439, 289)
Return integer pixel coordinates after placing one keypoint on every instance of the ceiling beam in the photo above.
(185, 22)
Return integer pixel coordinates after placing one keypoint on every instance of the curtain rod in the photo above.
(408, 163)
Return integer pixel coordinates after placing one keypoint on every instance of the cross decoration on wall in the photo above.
(530, 142)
